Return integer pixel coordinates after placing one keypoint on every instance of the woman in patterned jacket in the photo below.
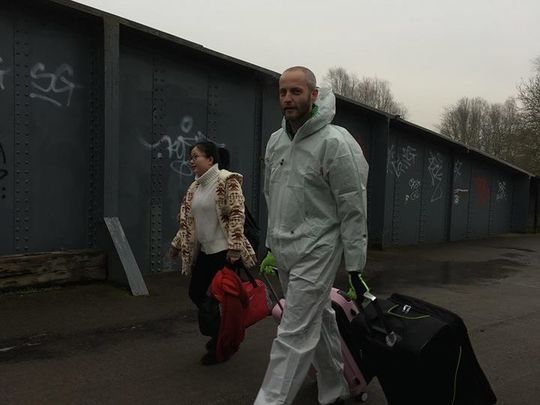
(211, 230)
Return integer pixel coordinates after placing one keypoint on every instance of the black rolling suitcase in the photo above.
(420, 353)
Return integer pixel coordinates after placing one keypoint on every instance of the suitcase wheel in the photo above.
(363, 397)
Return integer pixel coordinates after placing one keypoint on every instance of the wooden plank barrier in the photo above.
(52, 268)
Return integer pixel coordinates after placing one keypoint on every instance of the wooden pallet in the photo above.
(51, 268)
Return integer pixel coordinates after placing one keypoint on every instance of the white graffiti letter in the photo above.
(501, 191)
(177, 151)
(2, 74)
(186, 124)
(50, 81)
(457, 194)
(414, 185)
(457, 168)
(399, 164)
(435, 170)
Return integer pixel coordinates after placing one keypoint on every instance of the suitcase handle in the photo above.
(391, 337)
(271, 288)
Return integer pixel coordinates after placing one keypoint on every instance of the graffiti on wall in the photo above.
(457, 168)
(400, 161)
(3, 172)
(414, 190)
(482, 187)
(435, 169)
(176, 149)
(459, 193)
(3, 73)
(55, 87)
(501, 191)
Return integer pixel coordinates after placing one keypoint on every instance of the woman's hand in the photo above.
(233, 255)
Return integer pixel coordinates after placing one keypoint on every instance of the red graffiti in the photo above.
(482, 187)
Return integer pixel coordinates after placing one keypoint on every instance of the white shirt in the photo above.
(209, 232)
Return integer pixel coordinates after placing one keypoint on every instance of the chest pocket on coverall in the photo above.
(288, 199)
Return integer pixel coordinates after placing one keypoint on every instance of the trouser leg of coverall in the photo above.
(307, 334)
(328, 359)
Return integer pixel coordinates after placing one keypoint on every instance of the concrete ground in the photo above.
(96, 344)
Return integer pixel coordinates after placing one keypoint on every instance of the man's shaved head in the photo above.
(310, 76)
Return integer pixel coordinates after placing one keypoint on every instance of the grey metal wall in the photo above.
(533, 219)
(441, 191)
(169, 101)
(419, 185)
(98, 114)
(49, 138)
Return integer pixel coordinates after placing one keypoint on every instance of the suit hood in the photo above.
(323, 114)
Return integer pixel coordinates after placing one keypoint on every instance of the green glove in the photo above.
(357, 286)
(268, 264)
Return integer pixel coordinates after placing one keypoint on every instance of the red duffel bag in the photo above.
(258, 307)
(260, 304)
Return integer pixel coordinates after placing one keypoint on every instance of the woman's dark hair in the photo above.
(208, 149)
(224, 158)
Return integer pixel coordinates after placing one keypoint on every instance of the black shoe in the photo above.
(209, 359)
(211, 344)
(339, 401)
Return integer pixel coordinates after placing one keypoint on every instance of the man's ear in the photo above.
(314, 94)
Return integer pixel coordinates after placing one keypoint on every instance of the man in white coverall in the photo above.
(315, 189)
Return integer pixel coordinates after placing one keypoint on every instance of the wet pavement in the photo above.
(96, 344)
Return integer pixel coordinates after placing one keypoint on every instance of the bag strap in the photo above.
(250, 277)
(238, 267)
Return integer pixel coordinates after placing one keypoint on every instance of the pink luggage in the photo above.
(346, 310)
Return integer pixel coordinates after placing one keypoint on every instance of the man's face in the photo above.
(295, 97)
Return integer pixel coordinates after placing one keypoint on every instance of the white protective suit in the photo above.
(315, 189)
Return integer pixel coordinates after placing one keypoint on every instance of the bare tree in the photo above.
(502, 130)
(529, 97)
(465, 121)
(341, 82)
(368, 90)
(493, 128)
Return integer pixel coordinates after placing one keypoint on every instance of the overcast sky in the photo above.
(432, 52)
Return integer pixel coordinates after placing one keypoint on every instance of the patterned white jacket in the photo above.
(230, 212)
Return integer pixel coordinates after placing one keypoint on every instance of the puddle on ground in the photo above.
(428, 273)
(511, 255)
(517, 248)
